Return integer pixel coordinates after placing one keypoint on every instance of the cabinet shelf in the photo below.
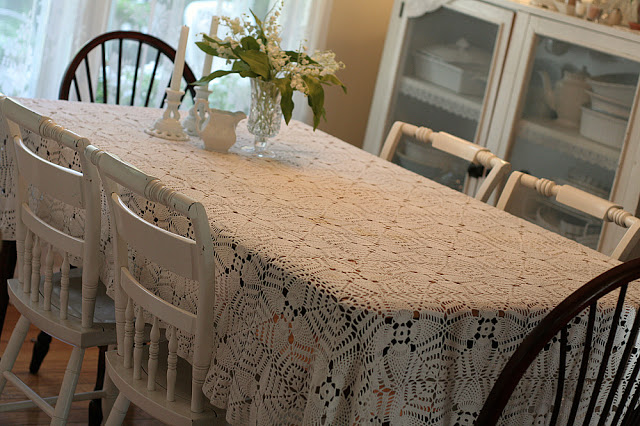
(549, 134)
(465, 106)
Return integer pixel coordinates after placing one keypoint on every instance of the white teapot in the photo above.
(569, 95)
(218, 128)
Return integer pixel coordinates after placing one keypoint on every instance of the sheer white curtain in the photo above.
(38, 38)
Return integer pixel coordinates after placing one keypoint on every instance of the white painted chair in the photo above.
(71, 305)
(142, 373)
(453, 145)
(520, 183)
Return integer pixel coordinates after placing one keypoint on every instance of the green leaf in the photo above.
(332, 79)
(297, 56)
(207, 48)
(258, 22)
(243, 69)
(219, 43)
(261, 35)
(249, 43)
(258, 61)
(292, 54)
(213, 76)
(286, 100)
(315, 98)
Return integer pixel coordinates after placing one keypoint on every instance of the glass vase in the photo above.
(265, 116)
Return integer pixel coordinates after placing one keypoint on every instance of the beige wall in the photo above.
(356, 34)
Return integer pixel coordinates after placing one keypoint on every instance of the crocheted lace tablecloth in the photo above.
(350, 290)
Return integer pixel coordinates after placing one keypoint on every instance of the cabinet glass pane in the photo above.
(572, 125)
(441, 84)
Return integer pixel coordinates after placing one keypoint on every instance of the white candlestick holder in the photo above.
(190, 123)
(168, 127)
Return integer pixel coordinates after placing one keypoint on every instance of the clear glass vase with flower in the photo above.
(253, 49)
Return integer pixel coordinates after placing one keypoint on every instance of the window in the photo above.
(35, 49)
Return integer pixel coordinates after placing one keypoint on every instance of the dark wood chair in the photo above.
(626, 411)
(155, 49)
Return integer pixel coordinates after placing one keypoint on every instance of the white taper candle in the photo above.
(178, 66)
(208, 59)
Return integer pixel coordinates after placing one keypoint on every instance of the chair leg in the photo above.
(118, 412)
(68, 387)
(112, 393)
(8, 257)
(40, 350)
(13, 348)
(95, 406)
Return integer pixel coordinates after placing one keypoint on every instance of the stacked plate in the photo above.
(611, 99)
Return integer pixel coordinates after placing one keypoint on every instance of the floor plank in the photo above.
(47, 381)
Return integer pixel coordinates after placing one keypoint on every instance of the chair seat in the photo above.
(70, 330)
(177, 412)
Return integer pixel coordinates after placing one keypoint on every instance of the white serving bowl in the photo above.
(609, 106)
(619, 87)
(603, 128)
(459, 67)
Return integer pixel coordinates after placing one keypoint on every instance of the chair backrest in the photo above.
(79, 190)
(183, 256)
(453, 145)
(575, 198)
(148, 46)
(618, 351)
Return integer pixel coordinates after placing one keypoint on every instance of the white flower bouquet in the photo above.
(253, 50)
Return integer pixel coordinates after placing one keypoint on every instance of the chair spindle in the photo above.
(20, 256)
(153, 355)
(584, 363)
(138, 345)
(28, 252)
(64, 286)
(35, 270)
(562, 367)
(607, 352)
(128, 334)
(624, 360)
(119, 71)
(120, 313)
(172, 363)
(135, 72)
(632, 417)
(86, 66)
(77, 88)
(153, 76)
(104, 73)
(48, 278)
(630, 384)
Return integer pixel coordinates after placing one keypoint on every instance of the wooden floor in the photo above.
(47, 381)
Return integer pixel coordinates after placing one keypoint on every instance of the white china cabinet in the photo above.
(441, 70)
(563, 107)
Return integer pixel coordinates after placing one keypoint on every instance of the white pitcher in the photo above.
(218, 130)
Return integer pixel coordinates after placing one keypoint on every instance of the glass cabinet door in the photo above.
(571, 120)
(447, 74)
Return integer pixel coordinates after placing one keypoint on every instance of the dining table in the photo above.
(348, 290)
